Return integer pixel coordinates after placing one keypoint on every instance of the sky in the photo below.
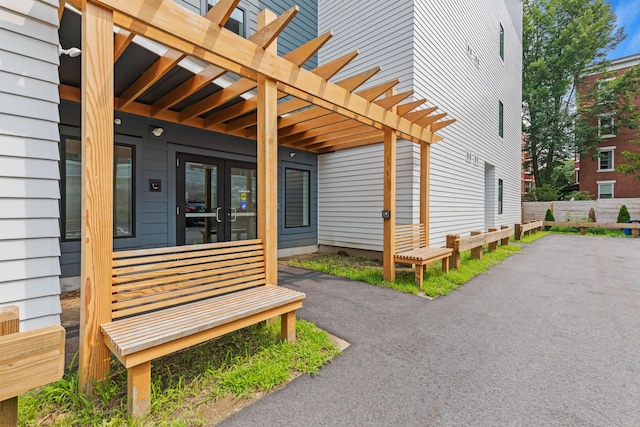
(628, 16)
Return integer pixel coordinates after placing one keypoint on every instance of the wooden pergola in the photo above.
(317, 115)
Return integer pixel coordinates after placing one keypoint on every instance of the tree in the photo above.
(562, 39)
(623, 215)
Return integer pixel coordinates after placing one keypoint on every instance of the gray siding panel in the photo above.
(432, 47)
(29, 188)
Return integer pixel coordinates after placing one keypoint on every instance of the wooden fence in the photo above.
(583, 225)
(475, 242)
(527, 228)
(606, 209)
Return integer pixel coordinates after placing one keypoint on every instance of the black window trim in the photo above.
(284, 214)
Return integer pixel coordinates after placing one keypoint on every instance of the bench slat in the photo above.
(155, 328)
(195, 259)
(185, 274)
(158, 304)
(187, 248)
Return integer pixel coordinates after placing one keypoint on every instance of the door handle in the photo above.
(234, 216)
(218, 214)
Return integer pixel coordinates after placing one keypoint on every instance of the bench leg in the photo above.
(139, 389)
(445, 265)
(419, 269)
(288, 326)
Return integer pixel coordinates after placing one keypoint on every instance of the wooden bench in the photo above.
(167, 299)
(411, 248)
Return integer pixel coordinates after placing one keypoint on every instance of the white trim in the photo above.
(612, 183)
(611, 150)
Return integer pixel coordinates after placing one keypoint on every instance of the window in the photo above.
(500, 190)
(501, 42)
(605, 189)
(605, 91)
(123, 189)
(235, 23)
(577, 174)
(296, 198)
(606, 126)
(527, 186)
(605, 159)
(500, 119)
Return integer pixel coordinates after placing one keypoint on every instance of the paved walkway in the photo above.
(549, 337)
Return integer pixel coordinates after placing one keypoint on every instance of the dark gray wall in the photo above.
(155, 158)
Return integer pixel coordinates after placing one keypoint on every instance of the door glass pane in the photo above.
(201, 203)
(123, 191)
(296, 198)
(72, 190)
(243, 204)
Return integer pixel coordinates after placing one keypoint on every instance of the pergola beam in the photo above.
(297, 56)
(403, 109)
(263, 37)
(122, 40)
(211, 44)
(325, 71)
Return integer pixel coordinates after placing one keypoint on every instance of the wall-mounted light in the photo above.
(117, 120)
(72, 51)
(292, 154)
(157, 131)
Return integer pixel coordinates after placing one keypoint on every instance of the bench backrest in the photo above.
(149, 279)
(412, 236)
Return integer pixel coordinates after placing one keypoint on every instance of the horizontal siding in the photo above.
(29, 154)
(425, 45)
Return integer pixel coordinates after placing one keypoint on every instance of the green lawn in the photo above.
(435, 281)
(241, 364)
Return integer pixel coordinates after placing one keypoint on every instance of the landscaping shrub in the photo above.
(592, 215)
(623, 215)
(548, 217)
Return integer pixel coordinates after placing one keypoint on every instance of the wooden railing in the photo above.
(527, 228)
(583, 225)
(475, 242)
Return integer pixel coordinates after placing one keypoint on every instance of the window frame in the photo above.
(500, 119)
(243, 25)
(501, 42)
(602, 183)
(63, 191)
(284, 184)
(500, 196)
(606, 150)
(611, 117)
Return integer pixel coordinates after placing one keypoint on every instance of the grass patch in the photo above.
(591, 231)
(240, 364)
(435, 281)
(531, 237)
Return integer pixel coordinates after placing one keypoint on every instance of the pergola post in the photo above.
(389, 205)
(267, 140)
(97, 191)
(425, 160)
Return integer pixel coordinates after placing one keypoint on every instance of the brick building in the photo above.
(597, 175)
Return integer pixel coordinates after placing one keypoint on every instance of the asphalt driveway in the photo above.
(549, 337)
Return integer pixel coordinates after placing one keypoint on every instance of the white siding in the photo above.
(29, 155)
(426, 44)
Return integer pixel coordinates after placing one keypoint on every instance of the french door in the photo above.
(216, 200)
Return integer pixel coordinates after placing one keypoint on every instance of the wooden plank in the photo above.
(505, 238)
(221, 11)
(389, 204)
(493, 244)
(267, 165)
(188, 341)
(97, 191)
(30, 359)
(439, 125)
(9, 324)
(213, 45)
(189, 248)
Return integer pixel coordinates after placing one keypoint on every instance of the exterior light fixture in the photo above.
(157, 131)
(117, 120)
(292, 154)
(71, 52)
